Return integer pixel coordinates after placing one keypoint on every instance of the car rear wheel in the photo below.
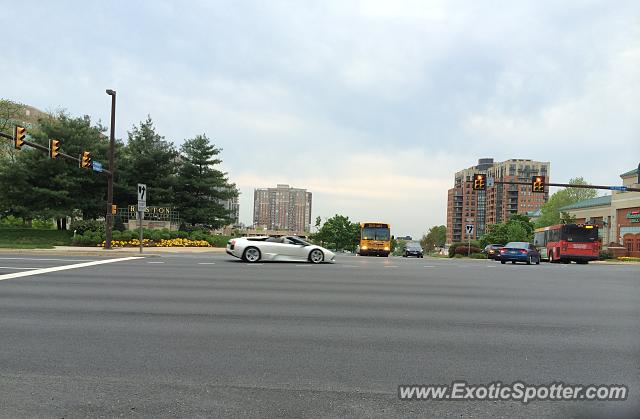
(529, 260)
(538, 261)
(513, 262)
(503, 261)
(251, 255)
(316, 256)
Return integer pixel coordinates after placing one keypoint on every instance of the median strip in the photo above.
(65, 267)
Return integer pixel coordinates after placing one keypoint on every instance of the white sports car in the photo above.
(287, 248)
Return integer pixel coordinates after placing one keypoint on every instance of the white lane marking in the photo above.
(429, 266)
(304, 265)
(253, 264)
(58, 260)
(206, 263)
(391, 266)
(65, 267)
(155, 262)
(14, 267)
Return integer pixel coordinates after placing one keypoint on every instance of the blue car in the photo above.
(519, 252)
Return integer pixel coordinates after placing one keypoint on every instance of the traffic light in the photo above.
(537, 184)
(54, 148)
(479, 182)
(85, 160)
(114, 209)
(18, 136)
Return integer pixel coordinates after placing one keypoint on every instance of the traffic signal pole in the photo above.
(46, 150)
(569, 185)
(109, 215)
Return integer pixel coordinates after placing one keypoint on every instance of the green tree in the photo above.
(201, 189)
(550, 211)
(518, 228)
(147, 158)
(33, 186)
(435, 237)
(339, 233)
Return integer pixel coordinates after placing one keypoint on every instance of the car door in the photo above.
(296, 248)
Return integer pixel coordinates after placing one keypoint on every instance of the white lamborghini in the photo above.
(287, 248)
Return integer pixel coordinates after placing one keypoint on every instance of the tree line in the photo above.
(188, 178)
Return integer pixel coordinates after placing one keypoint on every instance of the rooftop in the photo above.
(630, 173)
(587, 203)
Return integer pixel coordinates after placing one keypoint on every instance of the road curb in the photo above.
(128, 251)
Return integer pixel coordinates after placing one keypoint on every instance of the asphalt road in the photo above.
(207, 335)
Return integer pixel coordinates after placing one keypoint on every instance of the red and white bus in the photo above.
(568, 242)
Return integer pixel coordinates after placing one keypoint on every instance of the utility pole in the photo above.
(112, 141)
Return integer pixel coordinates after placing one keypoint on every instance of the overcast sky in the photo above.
(371, 105)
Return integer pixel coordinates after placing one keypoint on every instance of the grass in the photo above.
(24, 238)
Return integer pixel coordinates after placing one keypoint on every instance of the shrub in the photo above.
(458, 256)
(77, 240)
(218, 241)
(606, 254)
(80, 226)
(478, 256)
(116, 235)
(127, 235)
(629, 259)
(464, 250)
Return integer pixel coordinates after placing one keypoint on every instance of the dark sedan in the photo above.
(519, 252)
(413, 249)
(492, 251)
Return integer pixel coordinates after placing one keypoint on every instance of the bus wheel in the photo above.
(565, 261)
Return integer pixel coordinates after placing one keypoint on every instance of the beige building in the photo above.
(617, 215)
(282, 208)
(498, 202)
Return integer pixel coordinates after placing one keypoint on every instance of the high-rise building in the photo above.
(282, 208)
(498, 202)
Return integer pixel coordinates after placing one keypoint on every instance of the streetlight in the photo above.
(112, 141)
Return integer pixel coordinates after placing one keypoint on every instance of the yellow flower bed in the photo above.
(161, 243)
(629, 259)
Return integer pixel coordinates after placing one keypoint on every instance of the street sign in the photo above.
(142, 197)
(469, 229)
(97, 166)
(490, 181)
(618, 188)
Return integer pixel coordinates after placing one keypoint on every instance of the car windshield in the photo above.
(298, 241)
(376, 233)
(414, 246)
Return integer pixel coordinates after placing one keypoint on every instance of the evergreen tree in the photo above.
(202, 189)
(147, 158)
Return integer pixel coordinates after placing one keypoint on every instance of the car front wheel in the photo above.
(316, 256)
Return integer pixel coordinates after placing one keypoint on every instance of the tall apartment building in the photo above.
(282, 208)
(496, 204)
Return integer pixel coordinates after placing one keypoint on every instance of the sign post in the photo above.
(469, 229)
(142, 205)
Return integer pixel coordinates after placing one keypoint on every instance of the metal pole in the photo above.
(469, 245)
(112, 141)
(140, 226)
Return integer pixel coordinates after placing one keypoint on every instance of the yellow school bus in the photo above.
(375, 239)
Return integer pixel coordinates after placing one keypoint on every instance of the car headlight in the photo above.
(386, 248)
(364, 247)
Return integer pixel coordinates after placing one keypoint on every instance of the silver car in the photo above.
(286, 248)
